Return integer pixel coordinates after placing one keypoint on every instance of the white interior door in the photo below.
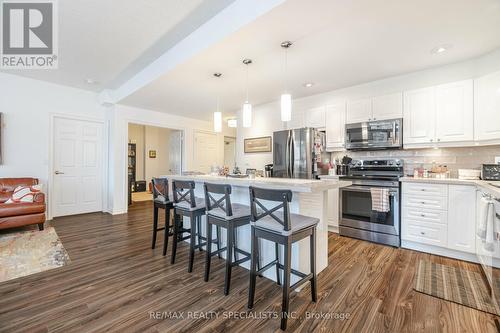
(205, 151)
(77, 179)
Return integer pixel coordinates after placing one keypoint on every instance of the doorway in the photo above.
(229, 152)
(77, 167)
(152, 152)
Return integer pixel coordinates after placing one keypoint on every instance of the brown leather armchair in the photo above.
(20, 214)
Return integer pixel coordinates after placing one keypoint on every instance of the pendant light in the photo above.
(286, 98)
(247, 107)
(217, 113)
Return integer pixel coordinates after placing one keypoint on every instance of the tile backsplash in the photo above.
(453, 158)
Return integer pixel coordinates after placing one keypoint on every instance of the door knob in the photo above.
(59, 173)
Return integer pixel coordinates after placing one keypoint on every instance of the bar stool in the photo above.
(223, 214)
(161, 201)
(187, 205)
(284, 228)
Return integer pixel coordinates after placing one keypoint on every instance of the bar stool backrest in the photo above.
(184, 191)
(160, 188)
(218, 196)
(284, 197)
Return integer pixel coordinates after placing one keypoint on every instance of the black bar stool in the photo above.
(284, 228)
(223, 214)
(187, 205)
(161, 201)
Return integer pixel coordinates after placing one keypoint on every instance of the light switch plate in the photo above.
(497, 160)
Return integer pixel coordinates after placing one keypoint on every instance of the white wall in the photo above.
(157, 139)
(27, 106)
(120, 116)
(266, 117)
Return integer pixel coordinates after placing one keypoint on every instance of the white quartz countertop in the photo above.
(488, 186)
(295, 185)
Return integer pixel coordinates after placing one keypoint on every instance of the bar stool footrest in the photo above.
(305, 279)
(266, 267)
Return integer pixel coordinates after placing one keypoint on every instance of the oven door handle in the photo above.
(366, 190)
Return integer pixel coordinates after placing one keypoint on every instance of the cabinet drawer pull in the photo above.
(423, 202)
(423, 189)
(423, 215)
(422, 232)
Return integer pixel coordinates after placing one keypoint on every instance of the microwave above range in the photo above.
(373, 135)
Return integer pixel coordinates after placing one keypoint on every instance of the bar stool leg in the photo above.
(253, 264)
(155, 226)
(192, 241)
(277, 250)
(199, 232)
(235, 241)
(175, 237)
(208, 256)
(229, 258)
(166, 231)
(286, 285)
(218, 241)
(312, 250)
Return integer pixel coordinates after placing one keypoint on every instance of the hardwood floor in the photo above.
(117, 283)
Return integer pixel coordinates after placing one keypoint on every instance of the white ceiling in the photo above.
(337, 43)
(110, 40)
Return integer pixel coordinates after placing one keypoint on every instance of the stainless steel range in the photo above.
(358, 219)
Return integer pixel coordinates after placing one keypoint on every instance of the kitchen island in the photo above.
(310, 197)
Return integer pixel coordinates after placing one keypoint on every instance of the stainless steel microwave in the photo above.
(373, 135)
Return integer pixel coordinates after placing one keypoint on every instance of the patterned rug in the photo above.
(456, 285)
(30, 252)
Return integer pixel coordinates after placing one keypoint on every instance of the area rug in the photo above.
(456, 285)
(30, 252)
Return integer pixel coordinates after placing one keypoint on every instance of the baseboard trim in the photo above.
(334, 229)
(440, 251)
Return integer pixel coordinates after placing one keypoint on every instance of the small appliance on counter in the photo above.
(343, 166)
(490, 172)
(469, 174)
(268, 170)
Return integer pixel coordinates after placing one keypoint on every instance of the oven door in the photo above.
(356, 210)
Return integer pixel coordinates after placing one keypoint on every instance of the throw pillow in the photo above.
(24, 193)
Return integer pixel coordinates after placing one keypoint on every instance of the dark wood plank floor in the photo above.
(115, 282)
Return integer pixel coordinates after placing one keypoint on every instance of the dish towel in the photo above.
(489, 240)
(482, 217)
(380, 199)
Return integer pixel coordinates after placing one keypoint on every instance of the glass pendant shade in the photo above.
(247, 114)
(286, 107)
(217, 122)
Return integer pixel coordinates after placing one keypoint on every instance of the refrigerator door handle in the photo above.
(288, 155)
(292, 155)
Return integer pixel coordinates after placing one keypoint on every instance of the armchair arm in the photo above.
(39, 197)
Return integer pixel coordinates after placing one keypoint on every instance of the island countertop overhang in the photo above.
(295, 185)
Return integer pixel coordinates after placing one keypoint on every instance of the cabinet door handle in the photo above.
(423, 189)
(423, 215)
(439, 140)
(432, 140)
(422, 232)
(423, 202)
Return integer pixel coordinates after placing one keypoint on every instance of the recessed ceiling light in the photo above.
(308, 84)
(91, 81)
(441, 49)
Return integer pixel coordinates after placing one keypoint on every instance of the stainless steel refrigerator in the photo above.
(296, 153)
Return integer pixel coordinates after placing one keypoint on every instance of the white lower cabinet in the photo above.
(333, 209)
(440, 215)
(461, 217)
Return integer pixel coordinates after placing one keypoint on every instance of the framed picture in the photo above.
(258, 145)
(152, 154)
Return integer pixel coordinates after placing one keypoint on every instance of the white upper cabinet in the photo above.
(487, 108)
(455, 112)
(335, 126)
(387, 107)
(462, 218)
(315, 117)
(297, 120)
(419, 116)
(359, 111)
